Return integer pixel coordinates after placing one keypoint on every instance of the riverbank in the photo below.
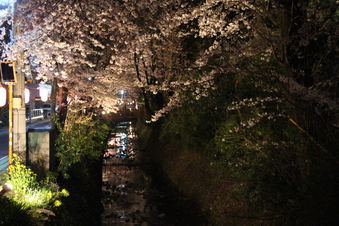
(250, 196)
(200, 181)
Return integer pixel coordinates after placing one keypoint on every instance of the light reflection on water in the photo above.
(124, 186)
(131, 193)
(125, 196)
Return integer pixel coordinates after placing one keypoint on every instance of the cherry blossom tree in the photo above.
(268, 64)
(124, 45)
(65, 40)
(96, 48)
(288, 48)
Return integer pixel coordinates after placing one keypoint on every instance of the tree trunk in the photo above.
(63, 92)
(54, 100)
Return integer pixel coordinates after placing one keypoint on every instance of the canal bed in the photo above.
(138, 193)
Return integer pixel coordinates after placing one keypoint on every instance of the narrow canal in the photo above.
(138, 193)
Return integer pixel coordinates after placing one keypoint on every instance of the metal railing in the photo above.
(37, 114)
(3, 163)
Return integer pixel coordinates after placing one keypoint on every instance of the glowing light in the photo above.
(122, 92)
(43, 94)
(3, 96)
(27, 95)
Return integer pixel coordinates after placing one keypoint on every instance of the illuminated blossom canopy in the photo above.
(166, 49)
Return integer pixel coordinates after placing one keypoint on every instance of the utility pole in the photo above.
(19, 115)
(19, 107)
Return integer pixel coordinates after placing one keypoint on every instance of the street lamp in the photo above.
(27, 96)
(43, 94)
(3, 96)
(122, 92)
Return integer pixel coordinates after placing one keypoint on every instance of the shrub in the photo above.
(30, 194)
(81, 137)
